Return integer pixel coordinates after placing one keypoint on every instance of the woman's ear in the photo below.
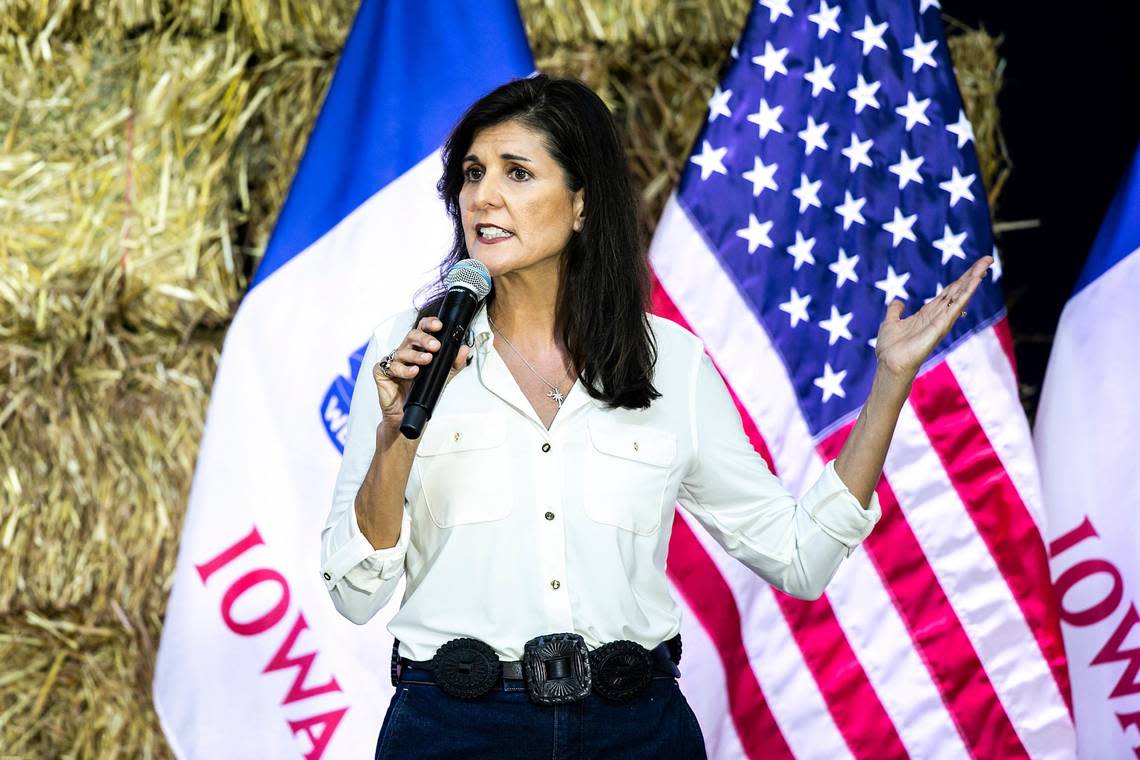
(579, 210)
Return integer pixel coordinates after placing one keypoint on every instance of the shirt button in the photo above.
(549, 515)
(554, 584)
(328, 577)
(545, 447)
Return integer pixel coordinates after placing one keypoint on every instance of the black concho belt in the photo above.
(556, 668)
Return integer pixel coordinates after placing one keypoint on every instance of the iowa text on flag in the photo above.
(836, 172)
(1086, 431)
(254, 659)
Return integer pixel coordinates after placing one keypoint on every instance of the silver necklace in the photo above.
(554, 393)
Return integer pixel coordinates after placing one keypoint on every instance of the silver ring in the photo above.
(386, 364)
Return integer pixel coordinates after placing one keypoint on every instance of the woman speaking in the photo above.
(531, 519)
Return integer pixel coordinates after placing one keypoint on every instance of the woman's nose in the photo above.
(487, 192)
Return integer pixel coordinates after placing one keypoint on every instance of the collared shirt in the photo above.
(511, 530)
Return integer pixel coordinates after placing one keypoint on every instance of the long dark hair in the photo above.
(604, 281)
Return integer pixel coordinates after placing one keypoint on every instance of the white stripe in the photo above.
(790, 691)
(986, 377)
(985, 606)
(703, 683)
(875, 631)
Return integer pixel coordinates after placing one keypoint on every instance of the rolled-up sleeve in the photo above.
(794, 545)
(360, 578)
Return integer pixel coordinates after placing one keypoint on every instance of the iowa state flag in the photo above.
(254, 660)
(1086, 431)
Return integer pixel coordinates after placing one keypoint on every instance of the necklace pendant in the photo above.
(557, 396)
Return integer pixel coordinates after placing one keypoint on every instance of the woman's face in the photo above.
(517, 211)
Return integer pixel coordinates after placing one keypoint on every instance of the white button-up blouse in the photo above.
(511, 530)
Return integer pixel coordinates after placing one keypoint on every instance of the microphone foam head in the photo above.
(470, 274)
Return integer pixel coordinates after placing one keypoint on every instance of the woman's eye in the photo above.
(473, 173)
(520, 174)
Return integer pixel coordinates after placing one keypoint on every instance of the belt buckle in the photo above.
(556, 668)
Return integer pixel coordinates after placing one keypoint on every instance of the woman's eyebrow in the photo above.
(507, 156)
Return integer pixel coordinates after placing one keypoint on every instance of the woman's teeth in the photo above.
(493, 232)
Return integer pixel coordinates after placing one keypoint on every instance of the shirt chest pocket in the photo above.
(628, 468)
(462, 467)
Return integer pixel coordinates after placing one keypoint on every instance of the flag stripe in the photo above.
(993, 504)
(936, 631)
(982, 601)
(709, 597)
(881, 641)
(869, 731)
(990, 390)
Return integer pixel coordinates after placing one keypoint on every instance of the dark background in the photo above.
(1069, 115)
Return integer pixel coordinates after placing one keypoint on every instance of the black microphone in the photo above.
(468, 283)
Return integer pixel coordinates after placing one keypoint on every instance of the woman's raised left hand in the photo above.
(903, 344)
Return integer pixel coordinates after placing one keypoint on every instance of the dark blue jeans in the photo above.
(425, 722)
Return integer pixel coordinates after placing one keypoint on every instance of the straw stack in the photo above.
(145, 149)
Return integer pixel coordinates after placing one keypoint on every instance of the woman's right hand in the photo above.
(417, 350)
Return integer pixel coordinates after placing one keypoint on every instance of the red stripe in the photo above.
(1001, 330)
(934, 627)
(709, 597)
(995, 506)
(852, 701)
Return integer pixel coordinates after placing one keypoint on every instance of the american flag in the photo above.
(836, 171)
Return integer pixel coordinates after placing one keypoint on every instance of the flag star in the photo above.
(873, 343)
(844, 269)
(937, 292)
(851, 209)
(820, 77)
(710, 160)
(914, 111)
(767, 118)
(826, 19)
(924, 4)
(863, 93)
(772, 61)
(907, 169)
(801, 251)
(718, 104)
(807, 193)
(735, 52)
(776, 8)
(836, 326)
(958, 186)
(812, 135)
(920, 53)
(871, 35)
(857, 152)
(900, 228)
(950, 244)
(756, 233)
(831, 383)
(894, 285)
(996, 266)
(962, 129)
(761, 176)
(796, 307)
